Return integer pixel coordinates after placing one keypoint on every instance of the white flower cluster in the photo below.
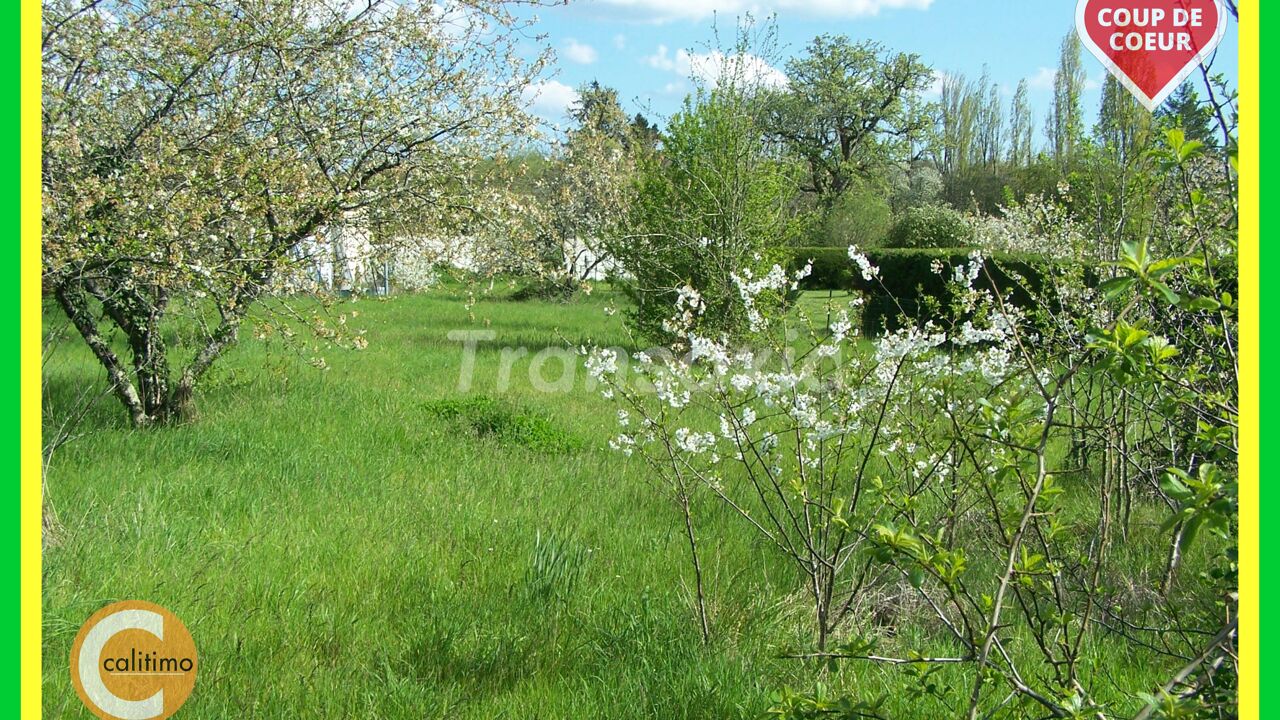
(602, 362)
(967, 274)
(794, 417)
(624, 444)
(907, 342)
(750, 288)
(689, 306)
(694, 442)
(840, 329)
(701, 348)
(869, 271)
(669, 390)
(1037, 225)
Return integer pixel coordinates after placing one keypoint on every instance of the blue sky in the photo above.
(645, 48)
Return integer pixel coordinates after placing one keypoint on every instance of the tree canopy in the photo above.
(849, 108)
(191, 148)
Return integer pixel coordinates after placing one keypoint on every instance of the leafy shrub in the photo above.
(917, 283)
(920, 184)
(832, 269)
(974, 463)
(930, 226)
(713, 205)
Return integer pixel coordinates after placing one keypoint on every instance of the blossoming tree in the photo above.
(191, 148)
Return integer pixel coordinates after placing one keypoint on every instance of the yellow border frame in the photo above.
(31, 494)
(1249, 362)
(1250, 338)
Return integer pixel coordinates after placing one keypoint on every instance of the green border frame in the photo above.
(10, 286)
(10, 322)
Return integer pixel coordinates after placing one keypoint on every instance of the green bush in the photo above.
(714, 203)
(832, 269)
(488, 417)
(908, 285)
(930, 226)
(861, 217)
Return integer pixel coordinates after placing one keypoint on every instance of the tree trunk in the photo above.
(75, 304)
(150, 366)
(148, 392)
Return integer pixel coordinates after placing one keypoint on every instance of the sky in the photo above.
(646, 49)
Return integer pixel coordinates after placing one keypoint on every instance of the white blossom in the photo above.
(869, 271)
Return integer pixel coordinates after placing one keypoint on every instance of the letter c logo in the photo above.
(91, 653)
(133, 660)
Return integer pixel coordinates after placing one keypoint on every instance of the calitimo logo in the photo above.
(133, 660)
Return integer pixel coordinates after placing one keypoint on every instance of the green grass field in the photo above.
(367, 542)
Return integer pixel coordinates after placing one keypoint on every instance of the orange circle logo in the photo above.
(133, 660)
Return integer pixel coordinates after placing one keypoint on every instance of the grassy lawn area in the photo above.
(365, 541)
(339, 548)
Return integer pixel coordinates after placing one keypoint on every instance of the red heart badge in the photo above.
(1151, 46)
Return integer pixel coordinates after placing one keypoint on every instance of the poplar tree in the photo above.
(1021, 127)
(1065, 125)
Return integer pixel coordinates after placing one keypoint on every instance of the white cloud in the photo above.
(620, 41)
(581, 53)
(752, 69)
(665, 10)
(934, 91)
(1043, 79)
(709, 67)
(663, 61)
(550, 99)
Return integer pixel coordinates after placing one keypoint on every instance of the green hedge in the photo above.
(908, 284)
(832, 268)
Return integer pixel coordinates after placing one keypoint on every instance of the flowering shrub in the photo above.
(712, 210)
(930, 226)
(983, 464)
(825, 446)
(1037, 225)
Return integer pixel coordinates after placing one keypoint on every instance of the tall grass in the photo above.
(366, 542)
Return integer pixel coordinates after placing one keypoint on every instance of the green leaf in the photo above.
(1161, 267)
(916, 576)
(1190, 531)
(1175, 488)
(1169, 295)
(1201, 303)
(1116, 286)
(1189, 149)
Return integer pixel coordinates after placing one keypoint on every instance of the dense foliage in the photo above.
(916, 286)
(712, 205)
(929, 226)
(937, 464)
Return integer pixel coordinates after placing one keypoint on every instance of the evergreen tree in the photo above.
(597, 109)
(645, 134)
(1185, 109)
